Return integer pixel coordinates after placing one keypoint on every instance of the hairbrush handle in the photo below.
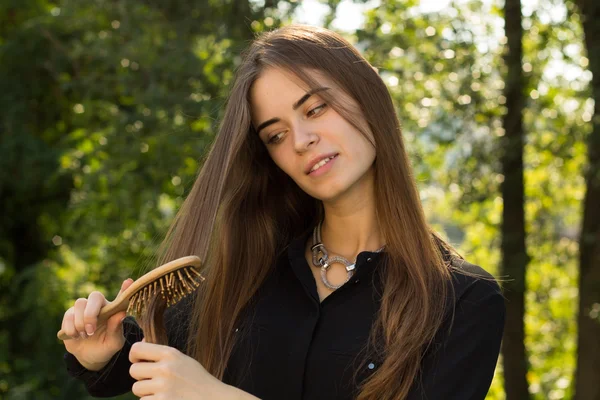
(168, 270)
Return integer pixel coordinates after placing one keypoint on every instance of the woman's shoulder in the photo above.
(470, 281)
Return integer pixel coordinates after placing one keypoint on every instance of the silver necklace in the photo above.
(324, 261)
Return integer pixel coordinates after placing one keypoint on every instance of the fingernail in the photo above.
(89, 328)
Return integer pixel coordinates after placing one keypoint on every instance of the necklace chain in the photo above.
(324, 261)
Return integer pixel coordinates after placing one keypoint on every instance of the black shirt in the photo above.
(292, 346)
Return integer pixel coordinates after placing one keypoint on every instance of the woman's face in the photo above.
(322, 152)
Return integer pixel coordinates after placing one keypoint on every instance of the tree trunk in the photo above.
(587, 382)
(514, 253)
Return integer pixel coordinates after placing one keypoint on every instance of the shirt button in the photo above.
(371, 365)
(356, 281)
(369, 259)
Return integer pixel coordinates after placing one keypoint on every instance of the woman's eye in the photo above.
(279, 136)
(275, 138)
(316, 110)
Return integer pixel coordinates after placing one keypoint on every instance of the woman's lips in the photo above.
(324, 168)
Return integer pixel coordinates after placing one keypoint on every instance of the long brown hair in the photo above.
(243, 211)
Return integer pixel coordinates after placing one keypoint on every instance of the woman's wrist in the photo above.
(93, 366)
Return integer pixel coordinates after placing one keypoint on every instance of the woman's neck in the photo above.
(351, 227)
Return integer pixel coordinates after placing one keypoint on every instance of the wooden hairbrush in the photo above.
(173, 281)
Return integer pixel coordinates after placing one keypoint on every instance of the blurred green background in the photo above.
(107, 107)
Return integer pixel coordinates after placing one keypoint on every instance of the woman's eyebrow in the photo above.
(294, 107)
(307, 96)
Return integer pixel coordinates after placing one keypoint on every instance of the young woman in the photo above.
(323, 279)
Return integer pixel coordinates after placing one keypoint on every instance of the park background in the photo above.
(108, 106)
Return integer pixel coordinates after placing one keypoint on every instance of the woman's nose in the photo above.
(304, 138)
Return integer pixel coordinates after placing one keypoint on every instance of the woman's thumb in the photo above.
(114, 322)
(126, 283)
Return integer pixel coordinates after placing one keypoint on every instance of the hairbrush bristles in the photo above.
(172, 287)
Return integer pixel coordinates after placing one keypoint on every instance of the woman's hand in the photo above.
(163, 372)
(93, 346)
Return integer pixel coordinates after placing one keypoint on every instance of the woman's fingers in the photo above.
(81, 319)
(96, 301)
(142, 351)
(146, 387)
(79, 309)
(68, 324)
(142, 370)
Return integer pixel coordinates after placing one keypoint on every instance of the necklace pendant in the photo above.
(324, 261)
(325, 267)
